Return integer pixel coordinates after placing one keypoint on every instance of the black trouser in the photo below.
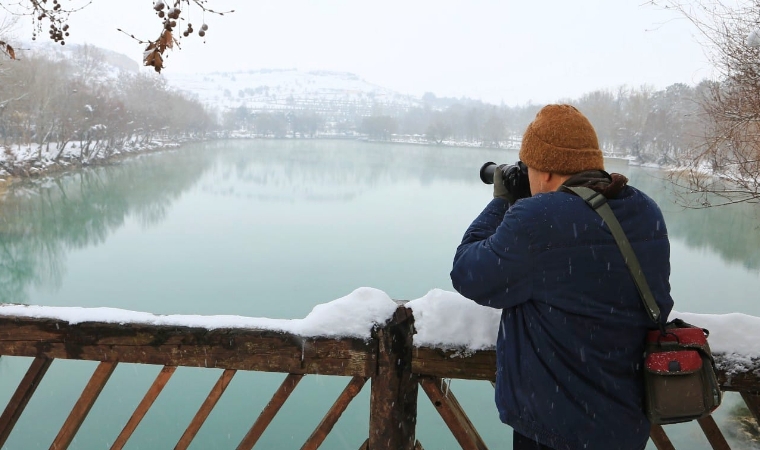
(521, 442)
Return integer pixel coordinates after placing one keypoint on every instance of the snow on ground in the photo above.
(443, 319)
(37, 159)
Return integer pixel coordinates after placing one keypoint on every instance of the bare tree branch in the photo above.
(727, 163)
(55, 14)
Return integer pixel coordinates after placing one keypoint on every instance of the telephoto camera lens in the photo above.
(486, 172)
(514, 176)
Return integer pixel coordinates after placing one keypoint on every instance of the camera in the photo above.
(514, 176)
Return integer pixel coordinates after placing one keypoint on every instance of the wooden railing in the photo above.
(388, 360)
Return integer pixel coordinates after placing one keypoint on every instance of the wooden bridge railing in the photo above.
(388, 360)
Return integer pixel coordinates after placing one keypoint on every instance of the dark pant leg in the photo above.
(521, 442)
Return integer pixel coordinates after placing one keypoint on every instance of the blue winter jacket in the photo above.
(571, 339)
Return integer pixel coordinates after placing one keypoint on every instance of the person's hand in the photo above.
(510, 182)
(499, 188)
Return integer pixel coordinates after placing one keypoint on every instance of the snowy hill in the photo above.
(290, 89)
(334, 94)
(81, 55)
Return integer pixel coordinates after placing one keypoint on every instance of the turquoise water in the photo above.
(271, 229)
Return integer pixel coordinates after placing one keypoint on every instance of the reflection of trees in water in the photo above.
(735, 235)
(40, 220)
(338, 170)
(21, 265)
(341, 170)
(741, 427)
(731, 231)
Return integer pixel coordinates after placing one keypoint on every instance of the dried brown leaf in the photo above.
(166, 40)
(158, 64)
(153, 58)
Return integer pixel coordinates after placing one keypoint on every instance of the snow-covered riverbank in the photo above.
(31, 160)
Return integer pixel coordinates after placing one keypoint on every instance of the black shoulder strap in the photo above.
(598, 202)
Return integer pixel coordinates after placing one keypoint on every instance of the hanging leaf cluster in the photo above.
(171, 15)
(55, 14)
(154, 52)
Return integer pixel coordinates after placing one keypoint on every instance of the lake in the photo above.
(271, 228)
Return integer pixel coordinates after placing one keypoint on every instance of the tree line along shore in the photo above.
(60, 113)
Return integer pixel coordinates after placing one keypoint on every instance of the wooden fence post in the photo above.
(393, 395)
(752, 399)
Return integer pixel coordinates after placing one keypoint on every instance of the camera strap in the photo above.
(598, 203)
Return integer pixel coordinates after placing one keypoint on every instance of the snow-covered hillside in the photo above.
(291, 89)
(82, 56)
(327, 93)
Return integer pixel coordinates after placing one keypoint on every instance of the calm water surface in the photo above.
(270, 229)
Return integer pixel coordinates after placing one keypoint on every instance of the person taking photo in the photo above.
(571, 339)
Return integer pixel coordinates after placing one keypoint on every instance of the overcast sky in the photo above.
(515, 51)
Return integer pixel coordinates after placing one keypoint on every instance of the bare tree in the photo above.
(725, 168)
(89, 64)
(439, 129)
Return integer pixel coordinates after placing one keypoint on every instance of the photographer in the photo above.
(571, 339)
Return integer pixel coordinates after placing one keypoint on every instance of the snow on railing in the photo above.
(442, 319)
(365, 335)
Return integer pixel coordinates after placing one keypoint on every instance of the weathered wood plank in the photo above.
(270, 410)
(738, 382)
(713, 434)
(365, 445)
(752, 399)
(660, 439)
(451, 364)
(481, 365)
(261, 350)
(452, 413)
(83, 405)
(393, 395)
(21, 397)
(205, 409)
(158, 385)
(331, 418)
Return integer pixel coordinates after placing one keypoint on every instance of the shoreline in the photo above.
(28, 169)
(33, 168)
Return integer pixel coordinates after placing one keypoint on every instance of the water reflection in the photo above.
(329, 170)
(41, 221)
(733, 232)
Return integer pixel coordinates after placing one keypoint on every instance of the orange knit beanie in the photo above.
(561, 140)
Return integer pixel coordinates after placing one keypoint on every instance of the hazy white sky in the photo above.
(513, 51)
